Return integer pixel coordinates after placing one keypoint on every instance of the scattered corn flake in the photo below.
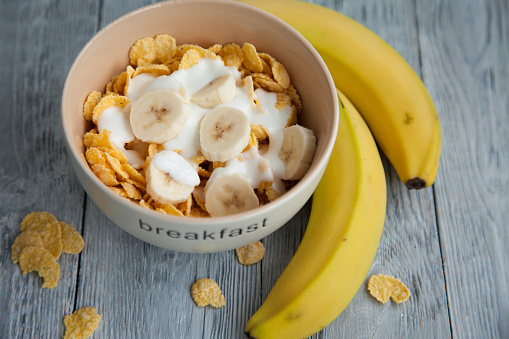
(165, 47)
(251, 59)
(25, 239)
(36, 220)
(400, 291)
(382, 287)
(46, 224)
(81, 323)
(251, 253)
(137, 184)
(52, 239)
(106, 102)
(41, 260)
(72, 240)
(92, 100)
(205, 292)
(142, 52)
(104, 174)
(131, 190)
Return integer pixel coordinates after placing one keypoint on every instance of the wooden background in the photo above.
(448, 243)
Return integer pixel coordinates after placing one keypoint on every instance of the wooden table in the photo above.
(448, 243)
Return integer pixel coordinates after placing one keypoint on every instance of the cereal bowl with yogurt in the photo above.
(201, 139)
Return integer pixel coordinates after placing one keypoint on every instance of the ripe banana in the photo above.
(336, 252)
(388, 93)
(297, 151)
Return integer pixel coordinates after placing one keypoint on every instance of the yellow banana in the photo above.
(341, 239)
(388, 93)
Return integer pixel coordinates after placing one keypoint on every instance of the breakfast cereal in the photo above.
(205, 292)
(150, 141)
(81, 323)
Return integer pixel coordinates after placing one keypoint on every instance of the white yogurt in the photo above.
(178, 168)
(265, 167)
(116, 120)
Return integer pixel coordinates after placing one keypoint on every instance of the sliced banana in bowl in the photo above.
(158, 116)
(170, 178)
(229, 194)
(219, 91)
(224, 133)
(297, 151)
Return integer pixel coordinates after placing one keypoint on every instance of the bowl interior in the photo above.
(204, 23)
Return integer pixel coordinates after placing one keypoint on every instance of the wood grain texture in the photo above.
(465, 55)
(453, 255)
(38, 41)
(409, 247)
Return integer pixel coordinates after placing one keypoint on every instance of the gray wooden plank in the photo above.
(38, 41)
(409, 247)
(465, 55)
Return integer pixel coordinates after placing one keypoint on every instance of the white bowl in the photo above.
(204, 23)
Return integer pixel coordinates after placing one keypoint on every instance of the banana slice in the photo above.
(158, 116)
(224, 133)
(297, 151)
(163, 186)
(229, 194)
(219, 91)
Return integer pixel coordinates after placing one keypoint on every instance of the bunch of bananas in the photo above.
(349, 204)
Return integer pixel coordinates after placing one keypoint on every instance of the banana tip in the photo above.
(415, 183)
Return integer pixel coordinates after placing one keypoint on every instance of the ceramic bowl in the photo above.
(204, 23)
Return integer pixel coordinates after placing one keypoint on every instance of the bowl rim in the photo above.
(280, 202)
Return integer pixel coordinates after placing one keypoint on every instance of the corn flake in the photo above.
(92, 100)
(25, 239)
(106, 102)
(165, 47)
(46, 224)
(131, 190)
(143, 52)
(104, 174)
(205, 292)
(81, 323)
(251, 253)
(41, 260)
(194, 55)
(292, 92)
(382, 287)
(72, 240)
(232, 55)
(155, 69)
(262, 80)
(251, 59)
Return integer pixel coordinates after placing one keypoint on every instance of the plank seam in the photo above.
(79, 256)
(433, 186)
